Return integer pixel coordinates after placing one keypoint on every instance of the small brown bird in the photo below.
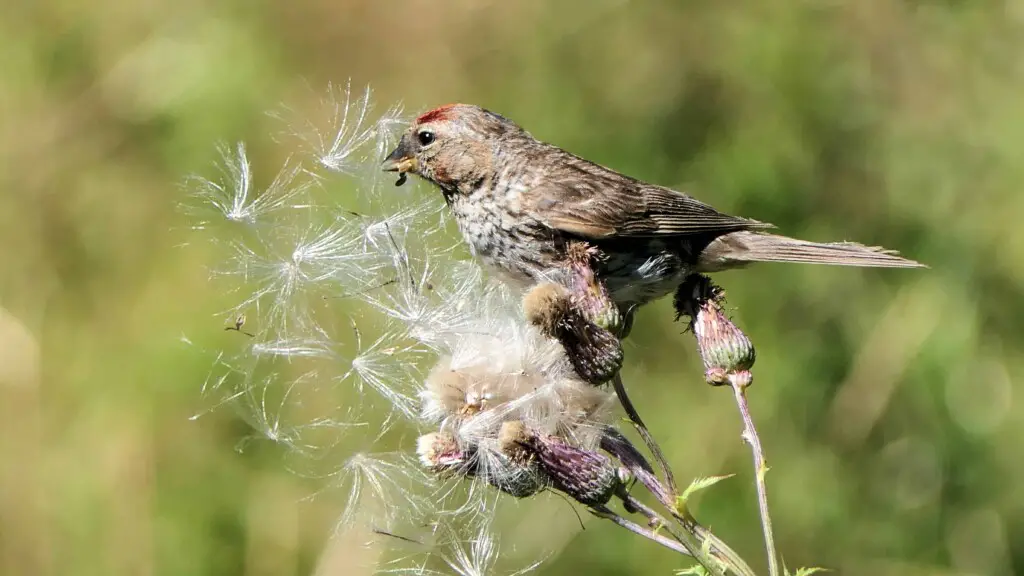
(519, 201)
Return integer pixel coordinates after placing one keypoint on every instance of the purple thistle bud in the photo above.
(588, 477)
(724, 348)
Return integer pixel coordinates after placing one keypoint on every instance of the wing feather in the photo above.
(588, 200)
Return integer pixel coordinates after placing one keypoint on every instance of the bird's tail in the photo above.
(740, 248)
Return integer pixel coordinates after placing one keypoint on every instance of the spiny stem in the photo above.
(692, 542)
(738, 565)
(696, 535)
(606, 513)
(739, 382)
(634, 416)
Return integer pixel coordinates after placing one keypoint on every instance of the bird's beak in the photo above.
(400, 160)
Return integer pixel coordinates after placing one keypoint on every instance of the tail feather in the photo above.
(740, 248)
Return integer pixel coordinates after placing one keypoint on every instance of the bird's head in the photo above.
(451, 146)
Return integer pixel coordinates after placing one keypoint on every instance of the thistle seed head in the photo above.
(595, 352)
(513, 472)
(453, 391)
(588, 477)
(546, 307)
(440, 451)
(512, 438)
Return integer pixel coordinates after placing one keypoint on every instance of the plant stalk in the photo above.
(739, 382)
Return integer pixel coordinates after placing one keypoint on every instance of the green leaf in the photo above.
(804, 571)
(697, 485)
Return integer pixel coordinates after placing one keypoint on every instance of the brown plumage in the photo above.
(519, 201)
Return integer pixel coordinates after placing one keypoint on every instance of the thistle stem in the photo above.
(650, 534)
(689, 539)
(739, 382)
(634, 416)
(722, 550)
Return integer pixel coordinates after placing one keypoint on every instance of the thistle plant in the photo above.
(728, 356)
(431, 391)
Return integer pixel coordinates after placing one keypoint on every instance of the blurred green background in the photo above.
(886, 399)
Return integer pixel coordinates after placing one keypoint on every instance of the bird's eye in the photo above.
(426, 138)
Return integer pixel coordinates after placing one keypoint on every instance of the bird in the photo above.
(520, 203)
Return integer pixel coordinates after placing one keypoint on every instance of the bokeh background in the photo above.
(888, 400)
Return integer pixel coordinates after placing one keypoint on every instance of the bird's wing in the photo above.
(587, 200)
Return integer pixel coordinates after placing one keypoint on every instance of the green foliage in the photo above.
(805, 571)
(696, 486)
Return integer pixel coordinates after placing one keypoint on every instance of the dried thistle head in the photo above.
(509, 472)
(595, 352)
(461, 391)
(440, 451)
(577, 310)
(513, 473)
(587, 476)
(724, 348)
(511, 437)
(546, 306)
(475, 392)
